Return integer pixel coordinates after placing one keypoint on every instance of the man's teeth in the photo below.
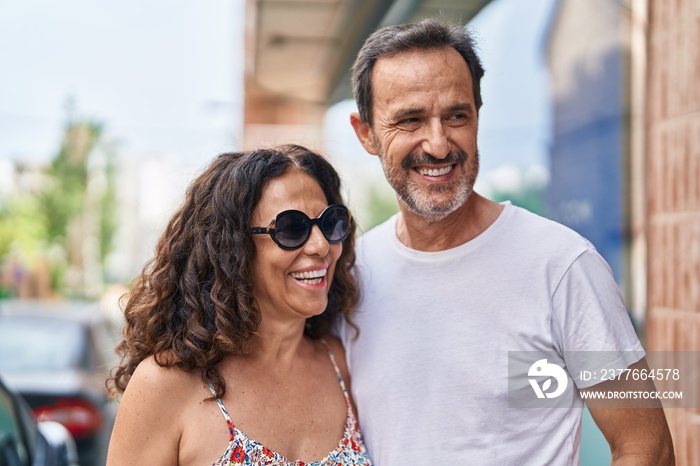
(435, 171)
(313, 277)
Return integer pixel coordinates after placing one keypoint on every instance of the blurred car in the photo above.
(57, 355)
(23, 442)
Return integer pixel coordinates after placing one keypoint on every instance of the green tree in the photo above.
(63, 198)
(108, 206)
(21, 226)
(74, 206)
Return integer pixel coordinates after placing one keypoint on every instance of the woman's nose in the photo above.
(317, 244)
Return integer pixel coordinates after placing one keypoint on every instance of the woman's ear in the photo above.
(364, 133)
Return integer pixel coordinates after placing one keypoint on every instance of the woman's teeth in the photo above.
(435, 171)
(312, 277)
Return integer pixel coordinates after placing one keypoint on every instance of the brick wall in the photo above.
(673, 195)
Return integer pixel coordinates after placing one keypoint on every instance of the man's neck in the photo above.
(459, 227)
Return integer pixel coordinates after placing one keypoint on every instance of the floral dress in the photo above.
(242, 450)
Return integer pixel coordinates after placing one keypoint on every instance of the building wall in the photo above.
(673, 195)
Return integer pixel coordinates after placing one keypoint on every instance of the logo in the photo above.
(543, 369)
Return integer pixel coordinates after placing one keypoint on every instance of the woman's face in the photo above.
(289, 285)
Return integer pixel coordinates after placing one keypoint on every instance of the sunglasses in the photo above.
(291, 229)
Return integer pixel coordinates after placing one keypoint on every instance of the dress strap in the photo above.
(229, 423)
(337, 373)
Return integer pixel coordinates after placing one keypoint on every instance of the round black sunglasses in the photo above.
(291, 229)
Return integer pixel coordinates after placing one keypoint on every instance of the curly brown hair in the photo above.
(193, 303)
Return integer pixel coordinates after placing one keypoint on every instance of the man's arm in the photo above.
(637, 435)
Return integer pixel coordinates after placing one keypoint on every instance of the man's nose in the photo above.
(435, 141)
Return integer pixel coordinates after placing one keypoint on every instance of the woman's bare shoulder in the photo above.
(335, 345)
(156, 389)
(151, 374)
(150, 414)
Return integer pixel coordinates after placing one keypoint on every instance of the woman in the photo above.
(226, 358)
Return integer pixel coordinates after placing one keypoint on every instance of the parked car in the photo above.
(24, 442)
(57, 355)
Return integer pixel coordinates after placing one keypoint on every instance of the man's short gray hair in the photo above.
(425, 35)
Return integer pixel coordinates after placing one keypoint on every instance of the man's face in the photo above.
(424, 129)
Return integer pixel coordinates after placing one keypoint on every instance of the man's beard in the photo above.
(433, 202)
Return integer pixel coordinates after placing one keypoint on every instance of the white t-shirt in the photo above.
(429, 368)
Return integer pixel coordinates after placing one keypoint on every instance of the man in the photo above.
(454, 282)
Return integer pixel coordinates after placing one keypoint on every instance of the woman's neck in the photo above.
(278, 345)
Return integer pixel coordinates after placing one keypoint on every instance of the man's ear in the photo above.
(364, 133)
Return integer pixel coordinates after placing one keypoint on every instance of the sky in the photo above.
(163, 77)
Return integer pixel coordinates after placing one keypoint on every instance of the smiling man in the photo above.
(454, 282)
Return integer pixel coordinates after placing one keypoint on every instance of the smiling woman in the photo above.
(235, 309)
